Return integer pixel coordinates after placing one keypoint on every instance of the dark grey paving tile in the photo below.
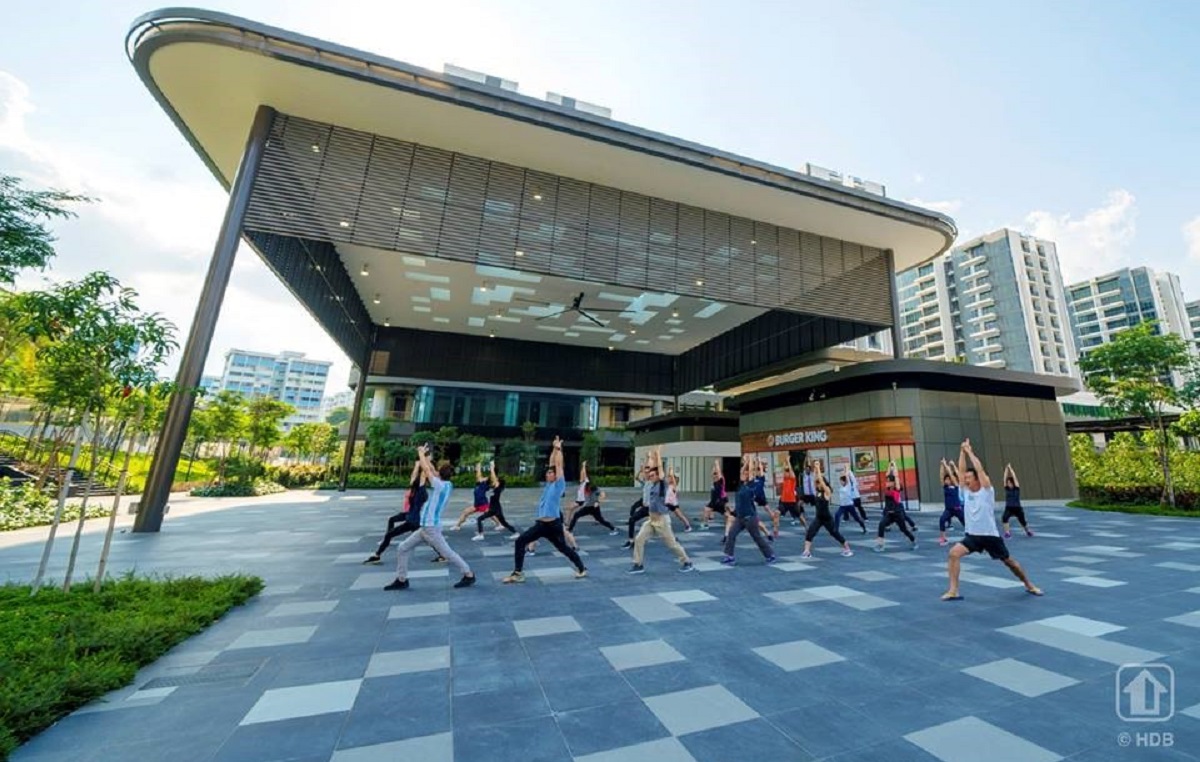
(501, 706)
(755, 739)
(397, 707)
(302, 738)
(609, 727)
(567, 693)
(665, 678)
(828, 728)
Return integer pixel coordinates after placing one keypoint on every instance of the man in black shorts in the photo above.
(982, 535)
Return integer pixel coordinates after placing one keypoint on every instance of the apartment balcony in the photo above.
(931, 330)
(978, 288)
(975, 259)
(978, 272)
(985, 333)
(997, 363)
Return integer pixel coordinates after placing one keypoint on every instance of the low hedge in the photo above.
(1136, 495)
(63, 650)
(26, 506)
(256, 488)
(366, 480)
(297, 475)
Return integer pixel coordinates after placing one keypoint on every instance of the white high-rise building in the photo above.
(996, 301)
(1103, 306)
(287, 377)
(1193, 313)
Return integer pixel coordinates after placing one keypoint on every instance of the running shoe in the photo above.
(397, 584)
(373, 559)
(914, 545)
(581, 574)
(499, 528)
(704, 527)
(806, 554)
(795, 522)
(514, 536)
(530, 552)
(943, 541)
(1007, 534)
(686, 530)
(846, 553)
(477, 538)
(771, 559)
(1029, 533)
(688, 566)
(514, 577)
(614, 533)
(438, 560)
(628, 544)
(878, 548)
(637, 569)
(728, 561)
(466, 581)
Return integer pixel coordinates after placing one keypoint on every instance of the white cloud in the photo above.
(945, 207)
(1094, 243)
(918, 178)
(154, 230)
(1191, 234)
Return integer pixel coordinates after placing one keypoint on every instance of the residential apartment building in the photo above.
(1103, 306)
(996, 301)
(344, 398)
(288, 377)
(1193, 313)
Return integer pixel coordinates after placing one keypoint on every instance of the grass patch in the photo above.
(1145, 509)
(62, 650)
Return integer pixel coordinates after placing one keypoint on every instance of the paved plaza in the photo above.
(833, 659)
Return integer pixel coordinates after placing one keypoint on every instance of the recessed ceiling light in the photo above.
(387, 322)
(376, 299)
(520, 253)
(699, 282)
(674, 313)
(491, 334)
(364, 271)
(537, 197)
(316, 148)
(633, 330)
(610, 348)
(753, 242)
(344, 224)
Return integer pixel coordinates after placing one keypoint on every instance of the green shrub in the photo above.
(256, 488)
(619, 480)
(25, 506)
(1136, 495)
(367, 480)
(295, 475)
(63, 650)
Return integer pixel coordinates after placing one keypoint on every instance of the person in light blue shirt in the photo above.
(548, 523)
(430, 531)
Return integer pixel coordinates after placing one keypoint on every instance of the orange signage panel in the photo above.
(874, 431)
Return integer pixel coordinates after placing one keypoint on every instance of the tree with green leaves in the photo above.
(474, 449)
(26, 242)
(1131, 375)
(311, 440)
(264, 422)
(589, 452)
(227, 423)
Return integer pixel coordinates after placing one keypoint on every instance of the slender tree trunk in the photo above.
(34, 434)
(58, 511)
(1165, 455)
(112, 517)
(87, 494)
(52, 460)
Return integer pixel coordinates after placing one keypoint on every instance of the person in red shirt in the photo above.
(789, 502)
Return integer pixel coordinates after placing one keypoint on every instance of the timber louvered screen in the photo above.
(337, 185)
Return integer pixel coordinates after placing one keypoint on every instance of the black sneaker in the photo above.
(438, 560)
(628, 544)
(637, 569)
(465, 581)
(373, 559)
(396, 584)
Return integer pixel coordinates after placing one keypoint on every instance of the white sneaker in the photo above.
(687, 529)
(846, 553)
(614, 533)
(477, 538)
(514, 536)
(499, 529)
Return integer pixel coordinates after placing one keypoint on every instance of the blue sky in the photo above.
(1076, 121)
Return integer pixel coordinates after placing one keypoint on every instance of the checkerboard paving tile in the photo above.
(794, 566)
(1188, 620)
(551, 625)
(1180, 546)
(1179, 566)
(301, 608)
(987, 580)
(1075, 571)
(1192, 711)
(1083, 560)
(1092, 628)
(1106, 550)
(970, 739)
(699, 709)
(419, 610)
(662, 750)
(376, 580)
(387, 663)
(303, 701)
(649, 653)
(1017, 676)
(1083, 645)
(687, 596)
(435, 748)
(650, 608)
(797, 655)
(1094, 581)
(872, 576)
(279, 636)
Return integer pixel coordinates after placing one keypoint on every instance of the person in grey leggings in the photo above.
(745, 516)
(430, 531)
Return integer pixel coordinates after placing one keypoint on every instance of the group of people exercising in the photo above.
(968, 497)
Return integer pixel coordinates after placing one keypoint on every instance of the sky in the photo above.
(1074, 121)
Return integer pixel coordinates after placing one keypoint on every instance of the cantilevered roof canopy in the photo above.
(210, 71)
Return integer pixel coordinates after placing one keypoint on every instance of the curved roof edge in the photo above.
(164, 26)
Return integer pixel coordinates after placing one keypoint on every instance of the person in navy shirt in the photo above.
(549, 523)
(746, 517)
(952, 507)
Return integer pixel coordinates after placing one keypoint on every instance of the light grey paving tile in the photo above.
(350, 558)
(648, 653)
(832, 592)
(1056, 536)
(279, 636)
(865, 602)
(710, 566)
(1188, 620)
(494, 551)
(440, 571)
(416, 610)
(303, 701)
(797, 655)
(550, 625)
(794, 566)
(279, 590)
(1192, 711)
(342, 540)
(1107, 550)
(896, 552)
(1058, 517)
(1093, 628)
(435, 748)
(662, 750)
(151, 693)
(300, 608)
(1180, 566)
(1075, 571)
(1083, 645)
(876, 576)
(1193, 590)
(987, 580)
(385, 663)
(970, 739)
(699, 709)
(373, 580)
(1180, 546)
(1117, 535)
(1084, 559)
(1017, 676)
(687, 596)
(650, 608)
(248, 556)
(1094, 581)
(792, 597)
(615, 562)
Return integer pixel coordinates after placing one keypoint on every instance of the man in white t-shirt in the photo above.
(982, 535)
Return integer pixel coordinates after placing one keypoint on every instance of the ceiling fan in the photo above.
(575, 307)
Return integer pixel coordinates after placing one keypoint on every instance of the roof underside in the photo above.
(212, 71)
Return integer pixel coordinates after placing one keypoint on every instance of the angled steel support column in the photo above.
(352, 433)
(897, 346)
(195, 351)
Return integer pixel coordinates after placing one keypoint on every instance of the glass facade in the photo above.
(452, 406)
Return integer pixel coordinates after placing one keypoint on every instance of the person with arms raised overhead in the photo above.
(982, 535)
(548, 523)
(430, 531)
(658, 522)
